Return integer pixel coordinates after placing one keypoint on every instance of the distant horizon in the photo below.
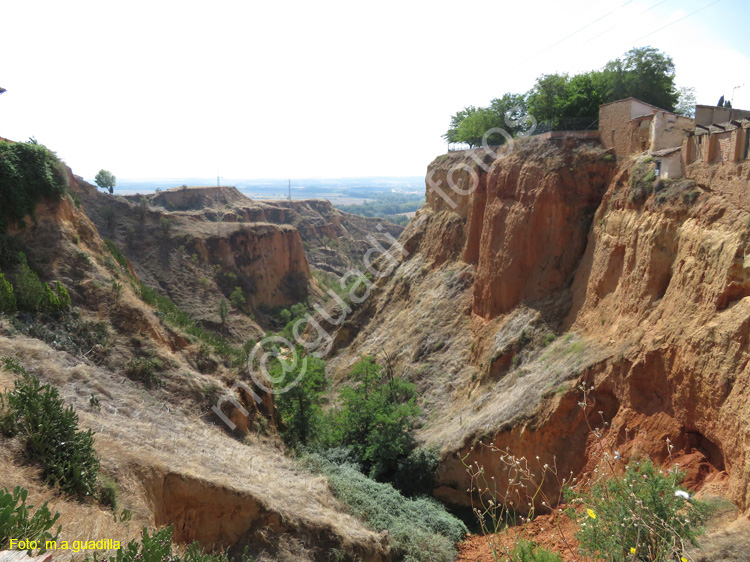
(323, 89)
(310, 188)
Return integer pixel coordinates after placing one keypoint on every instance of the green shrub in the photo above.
(417, 472)
(108, 493)
(63, 297)
(49, 303)
(299, 406)
(29, 289)
(223, 311)
(419, 529)
(237, 298)
(17, 521)
(638, 516)
(7, 296)
(527, 551)
(165, 224)
(29, 173)
(32, 295)
(109, 215)
(37, 413)
(144, 370)
(157, 547)
(176, 317)
(641, 182)
(117, 254)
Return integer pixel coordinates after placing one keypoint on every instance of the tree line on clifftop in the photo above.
(562, 102)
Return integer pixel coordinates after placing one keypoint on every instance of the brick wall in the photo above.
(613, 127)
(723, 147)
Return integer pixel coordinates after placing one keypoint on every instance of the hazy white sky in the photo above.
(317, 89)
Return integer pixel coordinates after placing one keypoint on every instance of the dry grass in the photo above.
(429, 330)
(136, 431)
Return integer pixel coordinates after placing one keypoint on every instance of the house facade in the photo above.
(631, 126)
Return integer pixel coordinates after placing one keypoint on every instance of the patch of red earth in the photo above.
(554, 532)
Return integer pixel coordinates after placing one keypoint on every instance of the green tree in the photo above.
(29, 173)
(299, 406)
(584, 93)
(377, 418)
(63, 296)
(49, 303)
(473, 128)
(512, 113)
(547, 98)
(451, 134)
(644, 73)
(106, 180)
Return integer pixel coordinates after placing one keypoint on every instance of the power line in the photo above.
(677, 21)
(619, 24)
(574, 33)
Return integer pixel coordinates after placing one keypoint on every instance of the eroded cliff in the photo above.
(559, 269)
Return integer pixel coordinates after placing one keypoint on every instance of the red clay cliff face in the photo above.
(580, 278)
(522, 217)
(535, 221)
(662, 291)
(272, 256)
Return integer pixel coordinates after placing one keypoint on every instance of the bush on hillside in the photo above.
(415, 475)
(29, 173)
(36, 412)
(638, 515)
(7, 296)
(31, 295)
(157, 547)
(527, 551)
(17, 520)
(29, 289)
(420, 529)
(144, 370)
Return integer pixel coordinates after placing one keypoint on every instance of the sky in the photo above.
(300, 89)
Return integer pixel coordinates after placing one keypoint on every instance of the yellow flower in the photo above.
(683, 559)
(632, 550)
(591, 513)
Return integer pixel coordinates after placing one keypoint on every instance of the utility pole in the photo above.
(290, 189)
(218, 181)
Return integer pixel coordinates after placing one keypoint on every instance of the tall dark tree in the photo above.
(644, 73)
